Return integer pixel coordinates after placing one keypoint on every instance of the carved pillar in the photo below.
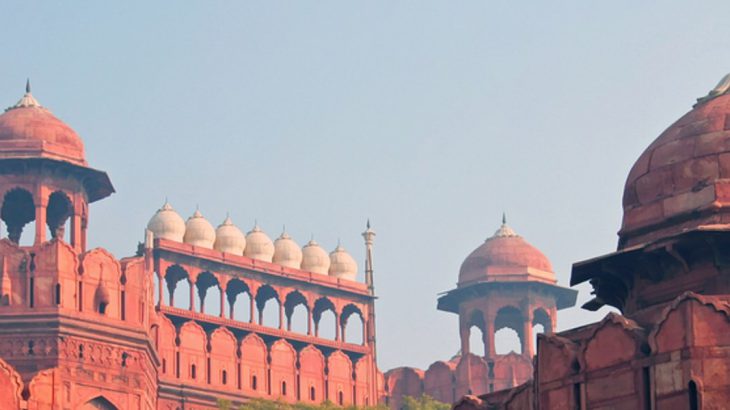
(192, 295)
(489, 349)
(252, 306)
(160, 284)
(223, 301)
(40, 223)
(464, 334)
(527, 348)
(309, 321)
(337, 326)
(281, 315)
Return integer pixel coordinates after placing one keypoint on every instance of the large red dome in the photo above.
(681, 182)
(28, 130)
(505, 256)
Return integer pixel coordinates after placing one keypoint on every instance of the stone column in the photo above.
(223, 301)
(252, 307)
(489, 348)
(192, 295)
(527, 348)
(40, 223)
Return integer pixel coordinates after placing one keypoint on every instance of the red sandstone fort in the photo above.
(80, 329)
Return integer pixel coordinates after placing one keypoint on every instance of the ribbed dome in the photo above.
(315, 259)
(259, 245)
(229, 239)
(681, 181)
(342, 265)
(167, 224)
(505, 256)
(27, 130)
(287, 252)
(199, 232)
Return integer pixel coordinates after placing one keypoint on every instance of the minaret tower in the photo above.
(369, 236)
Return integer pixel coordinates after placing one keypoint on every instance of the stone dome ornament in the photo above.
(681, 181)
(199, 232)
(259, 245)
(314, 258)
(33, 131)
(506, 256)
(167, 224)
(342, 265)
(228, 238)
(721, 88)
(287, 252)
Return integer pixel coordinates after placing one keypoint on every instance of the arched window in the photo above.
(340, 398)
(283, 388)
(58, 293)
(102, 308)
(254, 384)
(312, 394)
(224, 377)
(694, 399)
(193, 372)
(164, 366)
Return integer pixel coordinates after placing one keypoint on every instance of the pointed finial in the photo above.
(27, 85)
(368, 224)
(504, 218)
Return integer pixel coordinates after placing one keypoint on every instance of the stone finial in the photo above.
(721, 88)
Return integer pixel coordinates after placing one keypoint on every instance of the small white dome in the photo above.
(259, 245)
(314, 258)
(199, 232)
(228, 238)
(287, 252)
(342, 265)
(167, 224)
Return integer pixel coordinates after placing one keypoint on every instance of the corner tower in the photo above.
(73, 322)
(504, 283)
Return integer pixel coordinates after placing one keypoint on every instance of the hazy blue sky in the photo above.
(430, 118)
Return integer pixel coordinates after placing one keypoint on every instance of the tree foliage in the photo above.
(261, 404)
(425, 402)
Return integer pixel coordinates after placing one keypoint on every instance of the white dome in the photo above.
(342, 265)
(199, 232)
(314, 258)
(259, 245)
(287, 252)
(167, 224)
(228, 238)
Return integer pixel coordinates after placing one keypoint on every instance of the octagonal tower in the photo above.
(504, 283)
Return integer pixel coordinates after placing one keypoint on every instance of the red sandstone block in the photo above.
(655, 184)
(705, 125)
(688, 174)
(672, 152)
(688, 201)
(614, 385)
(712, 143)
(643, 215)
(724, 165)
